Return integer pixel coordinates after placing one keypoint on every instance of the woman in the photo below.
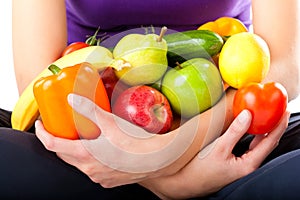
(41, 26)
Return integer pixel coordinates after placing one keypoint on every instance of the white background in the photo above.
(8, 88)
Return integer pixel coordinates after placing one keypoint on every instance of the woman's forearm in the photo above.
(212, 124)
(200, 131)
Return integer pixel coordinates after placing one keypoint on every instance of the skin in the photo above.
(283, 40)
(109, 127)
(42, 28)
(212, 168)
(284, 46)
(31, 23)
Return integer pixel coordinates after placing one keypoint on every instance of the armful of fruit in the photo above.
(118, 157)
(194, 89)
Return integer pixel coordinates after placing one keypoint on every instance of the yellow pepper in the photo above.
(225, 26)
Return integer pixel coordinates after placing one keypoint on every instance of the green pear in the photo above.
(140, 58)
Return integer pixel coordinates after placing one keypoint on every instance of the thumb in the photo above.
(106, 121)
(88, 109)
(237, 129)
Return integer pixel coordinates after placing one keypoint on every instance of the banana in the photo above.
(26, 110)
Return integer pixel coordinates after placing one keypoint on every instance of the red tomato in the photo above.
(73, 47)
(266, 102)
(90, 41)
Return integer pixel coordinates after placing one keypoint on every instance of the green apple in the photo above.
(140, 58)
(192, 87)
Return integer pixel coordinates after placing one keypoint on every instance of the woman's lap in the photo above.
(278, 179)
(27, 169)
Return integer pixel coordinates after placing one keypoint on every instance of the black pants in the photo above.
(29, 171)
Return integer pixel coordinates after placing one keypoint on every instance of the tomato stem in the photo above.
(92, 40)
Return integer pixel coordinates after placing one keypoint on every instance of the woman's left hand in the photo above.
(216, 166)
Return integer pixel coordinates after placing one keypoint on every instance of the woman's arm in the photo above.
(39, 36)
(216, 165)
(132, 156)
(278, 22)
(205, 127)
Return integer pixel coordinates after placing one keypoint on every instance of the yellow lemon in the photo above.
(244, 58)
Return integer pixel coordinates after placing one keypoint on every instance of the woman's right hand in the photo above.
(216, 166)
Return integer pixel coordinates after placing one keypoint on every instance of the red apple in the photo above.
(111, 83)
(146, 107)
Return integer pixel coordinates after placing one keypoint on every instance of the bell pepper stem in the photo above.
(54, 69)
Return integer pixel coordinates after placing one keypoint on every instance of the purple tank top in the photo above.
(114, 16)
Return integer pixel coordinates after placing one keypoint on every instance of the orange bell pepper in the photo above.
(51, 95)
(225, 26)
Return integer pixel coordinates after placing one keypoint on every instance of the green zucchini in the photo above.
(186, 45)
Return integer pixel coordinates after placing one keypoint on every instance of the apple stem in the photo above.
(162, 33)
(178, 64)
(158, 109)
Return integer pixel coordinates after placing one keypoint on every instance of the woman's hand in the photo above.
(76, 153)
(123, 153)
(216, 166)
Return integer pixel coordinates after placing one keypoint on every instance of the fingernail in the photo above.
(243, 116)
(74, 100)
(36, 124)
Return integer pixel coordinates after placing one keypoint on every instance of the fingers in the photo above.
(269, 142)
(84, 106)
(106, 121)
(56, 144)
(71, 151)
(88, 109)
(126, 141)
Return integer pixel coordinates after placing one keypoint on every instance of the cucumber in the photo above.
(186, 45)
